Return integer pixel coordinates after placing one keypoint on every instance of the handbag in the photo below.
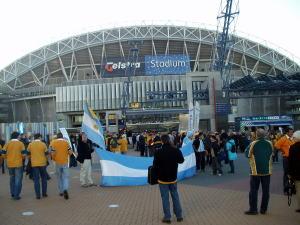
(152, 175)
(72, 162)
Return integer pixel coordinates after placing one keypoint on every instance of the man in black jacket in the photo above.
(166, 161)
(85, 151)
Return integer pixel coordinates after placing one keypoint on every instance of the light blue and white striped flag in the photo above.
(92, 127)
(124, 170)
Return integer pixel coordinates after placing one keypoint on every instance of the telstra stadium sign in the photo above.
(112, 66)
(167, 64)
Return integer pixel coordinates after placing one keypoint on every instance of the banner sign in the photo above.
(117, 67)
(167, 64)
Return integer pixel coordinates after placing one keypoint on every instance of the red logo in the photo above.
(108, 68)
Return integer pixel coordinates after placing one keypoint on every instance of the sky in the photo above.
(31, 24)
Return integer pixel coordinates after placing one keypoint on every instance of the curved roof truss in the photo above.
(40, 58)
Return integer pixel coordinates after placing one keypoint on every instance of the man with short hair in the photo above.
(37, 151)
(259, 153)
(283, 145)
(15, 152)
(60, 151)
(166, 161)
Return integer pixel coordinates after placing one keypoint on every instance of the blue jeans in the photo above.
(254, 186)
(16, 176)
(62, 173)
(37, 172)
(164, 192)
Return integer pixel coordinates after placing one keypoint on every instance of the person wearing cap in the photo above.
(14, 152)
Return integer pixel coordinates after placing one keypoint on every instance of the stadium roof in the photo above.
(58, 62)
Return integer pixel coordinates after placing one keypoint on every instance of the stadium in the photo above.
(150, 72)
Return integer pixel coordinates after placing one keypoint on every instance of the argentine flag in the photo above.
(124, 170)
(92, 127)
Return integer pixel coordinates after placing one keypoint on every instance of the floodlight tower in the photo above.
(224, 41)
(129, 72)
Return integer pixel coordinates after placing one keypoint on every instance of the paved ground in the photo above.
(206, 200)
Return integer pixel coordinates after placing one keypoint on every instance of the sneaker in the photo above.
(45, 195)
(251, 212)
(166, 221)
(38, 197)
(66, 195)
(219, 174)
(84, 185)
(92, 185)
(17, 198)
(179, 219)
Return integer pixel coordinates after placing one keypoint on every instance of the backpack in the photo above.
(233, 148)
(113, 143)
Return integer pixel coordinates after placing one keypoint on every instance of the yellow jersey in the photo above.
(37, 150)
(60, 151)
(14, 153)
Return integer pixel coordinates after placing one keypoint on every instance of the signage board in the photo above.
(167, 64)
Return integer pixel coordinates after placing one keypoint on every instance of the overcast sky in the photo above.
(27, 25)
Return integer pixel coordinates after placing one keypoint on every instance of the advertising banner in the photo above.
(117, 67)
(167, 64)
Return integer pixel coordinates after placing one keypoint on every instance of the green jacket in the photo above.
(259, 153)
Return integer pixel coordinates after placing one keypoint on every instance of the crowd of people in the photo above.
(212, 150)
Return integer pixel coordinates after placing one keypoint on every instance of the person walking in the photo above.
(85, 150)
(259, 153)
(231, 152)
(294, 165)
(166, 161)
(60, 151)
(283, 145)
(215, 151)
(14, 152)
(37, 151)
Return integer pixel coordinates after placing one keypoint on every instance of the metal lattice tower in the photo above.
(129, 72)
(229, 10)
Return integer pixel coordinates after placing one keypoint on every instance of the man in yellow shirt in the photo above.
(14, 152)
(60, 151)
(37, 151)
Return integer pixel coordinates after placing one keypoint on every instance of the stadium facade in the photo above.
(45, 89)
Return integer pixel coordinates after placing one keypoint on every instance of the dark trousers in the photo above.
(216, 166)
(285, 173)
(197, 155)
(3, 166)
(275, 155)
(231, 164)
(40, 172)
(202, 160)
(254, 186)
